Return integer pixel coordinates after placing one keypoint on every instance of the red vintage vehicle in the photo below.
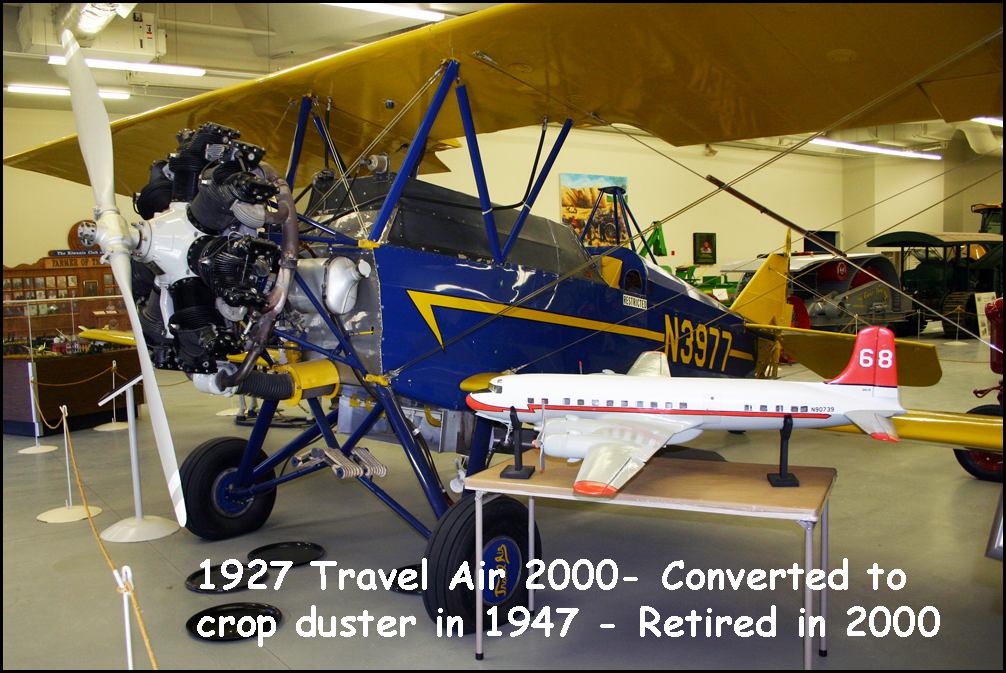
(982, 464)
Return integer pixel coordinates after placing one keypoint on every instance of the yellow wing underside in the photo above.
(688, 73)
(827, 353)
(956, 430)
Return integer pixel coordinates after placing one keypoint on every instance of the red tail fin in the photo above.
(873, 361)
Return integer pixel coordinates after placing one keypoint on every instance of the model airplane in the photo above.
(615, 423)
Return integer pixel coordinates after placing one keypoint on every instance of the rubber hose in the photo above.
(267, 386)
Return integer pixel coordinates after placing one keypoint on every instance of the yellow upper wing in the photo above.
(687, 73)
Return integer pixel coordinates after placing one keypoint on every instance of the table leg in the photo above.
(808, 595)
(530, 549)
(479, 648)
(823, 647)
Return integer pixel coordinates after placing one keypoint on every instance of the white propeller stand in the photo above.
(138, 528)
(70, 512)
(115, 424)
(37, 448)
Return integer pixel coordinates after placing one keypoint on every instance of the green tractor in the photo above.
(946, 270)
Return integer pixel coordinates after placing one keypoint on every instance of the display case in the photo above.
(40, 328)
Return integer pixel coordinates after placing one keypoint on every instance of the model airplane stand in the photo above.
(115, 425)
(137, 528)
(69, 512)
(784, 477)
(518, 470)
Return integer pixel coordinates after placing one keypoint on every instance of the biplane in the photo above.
(423, 293)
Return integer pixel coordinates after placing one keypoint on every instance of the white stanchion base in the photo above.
(67, 514)
(139, 530)
(957, 343)
(233, 411)
(112, 427)
(41, 448)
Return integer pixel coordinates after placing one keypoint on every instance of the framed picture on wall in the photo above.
(50, 282)
(16, 282)
(6, 283)
(39, 282)
(90, 288)
(703, 248)
(71, 281)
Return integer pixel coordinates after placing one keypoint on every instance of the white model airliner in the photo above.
(616, 422)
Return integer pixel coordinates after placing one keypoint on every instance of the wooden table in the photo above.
(737, 489)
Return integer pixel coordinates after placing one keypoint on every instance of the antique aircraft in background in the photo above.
(423, 294)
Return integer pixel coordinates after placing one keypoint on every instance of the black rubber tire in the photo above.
(199, 474)
(974, 466)
(453, 542)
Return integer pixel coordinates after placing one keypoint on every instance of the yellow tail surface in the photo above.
(763, 299)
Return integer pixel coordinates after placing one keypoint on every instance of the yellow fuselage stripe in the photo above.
(426, 301)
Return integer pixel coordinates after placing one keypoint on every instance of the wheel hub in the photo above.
(502, 553)
(224, 501)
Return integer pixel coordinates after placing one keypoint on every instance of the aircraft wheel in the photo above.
(504, 531)
(206, 476)
(982, 464)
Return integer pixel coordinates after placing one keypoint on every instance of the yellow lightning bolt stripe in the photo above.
(425, 301)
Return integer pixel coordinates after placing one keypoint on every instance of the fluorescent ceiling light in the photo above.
(874, 149)
(161, 68)
(392, 10)
(62, 91)
(991, 121)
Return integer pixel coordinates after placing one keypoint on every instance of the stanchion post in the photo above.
(124, 580)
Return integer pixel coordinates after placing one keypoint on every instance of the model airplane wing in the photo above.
(616, 449)
(688, 73)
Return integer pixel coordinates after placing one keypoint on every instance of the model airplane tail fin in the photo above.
(873, 363)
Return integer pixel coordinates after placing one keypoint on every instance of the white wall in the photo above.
(805, 189)
(39, 210)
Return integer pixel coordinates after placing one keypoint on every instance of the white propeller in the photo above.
(113, 234)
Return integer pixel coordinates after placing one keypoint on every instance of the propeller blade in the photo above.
(95, 137)
(93, 131)
(158, 418)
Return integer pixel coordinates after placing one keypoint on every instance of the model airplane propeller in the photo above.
(115, 238)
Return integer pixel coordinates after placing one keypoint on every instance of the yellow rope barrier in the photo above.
(75, 383)
(130, 590)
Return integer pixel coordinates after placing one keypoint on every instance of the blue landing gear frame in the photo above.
(245, 485)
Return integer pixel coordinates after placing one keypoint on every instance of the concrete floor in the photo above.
(907, 506)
